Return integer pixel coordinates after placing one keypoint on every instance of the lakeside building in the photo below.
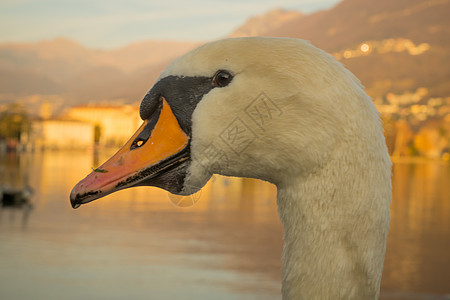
(83, 127)
(113, 125)
(58, 134)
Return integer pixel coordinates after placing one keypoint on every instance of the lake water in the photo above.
(136, 244)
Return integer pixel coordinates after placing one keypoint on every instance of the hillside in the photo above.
(403, 23)
(80, 74)
(260, 25)
(392, 46)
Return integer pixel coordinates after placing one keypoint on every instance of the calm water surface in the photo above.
(136, 244)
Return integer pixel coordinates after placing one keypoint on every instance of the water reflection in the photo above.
(418, 259)
(136, 244)
(15, 190)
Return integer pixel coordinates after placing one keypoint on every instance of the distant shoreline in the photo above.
(417, 159)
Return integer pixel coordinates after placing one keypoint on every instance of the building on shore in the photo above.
(113, 125)
(83, 127)
(58, 134)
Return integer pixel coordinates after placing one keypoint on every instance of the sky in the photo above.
(107, 24)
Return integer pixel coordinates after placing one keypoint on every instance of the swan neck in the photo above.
(335, 227)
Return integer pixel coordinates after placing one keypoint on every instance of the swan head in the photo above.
(266, 108)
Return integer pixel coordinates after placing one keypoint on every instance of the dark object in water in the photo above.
(15, 197)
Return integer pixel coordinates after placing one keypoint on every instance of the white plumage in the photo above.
(326, 154)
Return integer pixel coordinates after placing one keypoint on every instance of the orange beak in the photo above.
(158, 146)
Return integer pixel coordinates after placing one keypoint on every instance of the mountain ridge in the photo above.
(80, 74)
(351, 23)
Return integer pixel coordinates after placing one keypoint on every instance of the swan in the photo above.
(280, 110)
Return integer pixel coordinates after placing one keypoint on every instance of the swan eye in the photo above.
(222, 78)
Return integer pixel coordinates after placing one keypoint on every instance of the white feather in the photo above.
(324, 149)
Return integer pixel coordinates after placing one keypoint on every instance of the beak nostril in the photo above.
(150, 124)
(138, 142)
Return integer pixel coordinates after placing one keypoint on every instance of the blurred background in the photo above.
(72, 74)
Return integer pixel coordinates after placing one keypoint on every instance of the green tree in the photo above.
(14, 121)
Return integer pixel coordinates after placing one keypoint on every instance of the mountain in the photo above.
(80, 74)
(392, 46)
(392, 31)
(260, 25)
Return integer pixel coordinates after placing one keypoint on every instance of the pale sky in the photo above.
(114, 23)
